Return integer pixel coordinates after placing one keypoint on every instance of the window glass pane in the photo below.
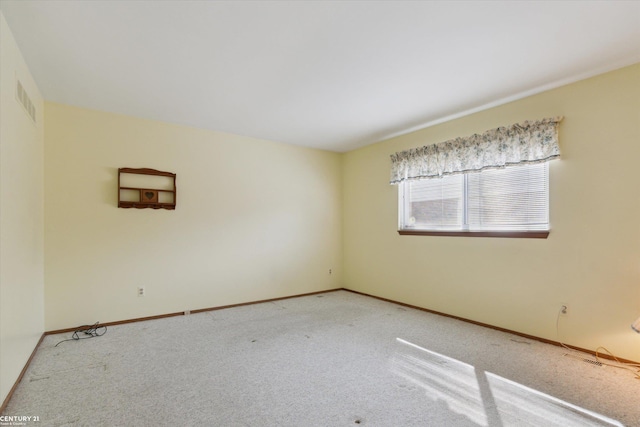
(435, 203)
(514, 198)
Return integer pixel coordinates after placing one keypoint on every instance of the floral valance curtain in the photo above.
(527, 142)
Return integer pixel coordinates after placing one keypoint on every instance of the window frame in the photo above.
(403, 191)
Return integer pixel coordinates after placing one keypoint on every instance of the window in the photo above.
(490, 184)
(512, 201)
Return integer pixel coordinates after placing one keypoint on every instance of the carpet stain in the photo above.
(409, 387)
(521, 342)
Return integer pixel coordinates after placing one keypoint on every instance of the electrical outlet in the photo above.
(329, 271)
(564, 309)
(141, 291)
(187, 312)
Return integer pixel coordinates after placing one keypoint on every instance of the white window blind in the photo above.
(515, 198)
(435, 204)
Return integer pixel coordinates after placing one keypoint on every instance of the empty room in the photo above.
(319, 213)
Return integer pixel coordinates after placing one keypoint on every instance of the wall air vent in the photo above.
(25, 101)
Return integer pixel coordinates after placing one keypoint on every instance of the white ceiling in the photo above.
(334, 75)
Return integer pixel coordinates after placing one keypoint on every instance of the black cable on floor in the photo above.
(92, 331)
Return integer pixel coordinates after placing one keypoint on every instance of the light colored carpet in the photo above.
(333, 359)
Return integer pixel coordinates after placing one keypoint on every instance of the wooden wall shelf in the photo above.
(146, 196)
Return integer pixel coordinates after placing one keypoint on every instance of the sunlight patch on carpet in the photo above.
(485, 398)
(444, 379)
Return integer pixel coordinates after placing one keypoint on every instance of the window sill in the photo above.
(506, 234)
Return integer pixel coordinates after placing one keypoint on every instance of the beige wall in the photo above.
(591, 259)
(254, 219)
(21, 216)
